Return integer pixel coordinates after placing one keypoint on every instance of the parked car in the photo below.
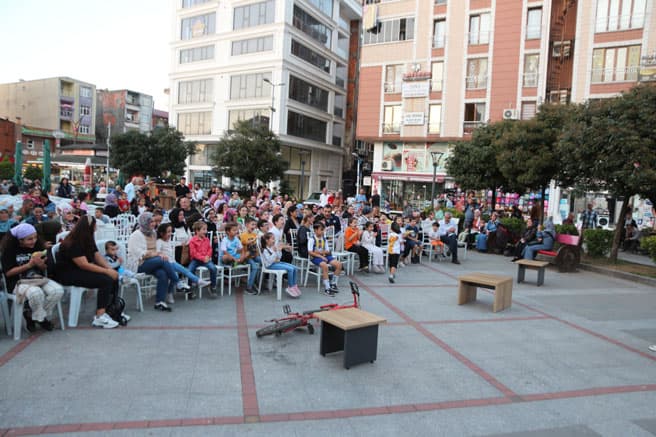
(313, 199)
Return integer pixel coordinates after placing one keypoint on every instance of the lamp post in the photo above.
(436, 157)
(302, 154)
(357, 181)
(273, 96)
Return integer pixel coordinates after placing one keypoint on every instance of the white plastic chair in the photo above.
(264, 271)
(345, 257)
(298, 260)
(74, 292)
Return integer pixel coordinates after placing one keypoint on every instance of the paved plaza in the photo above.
(568, 358)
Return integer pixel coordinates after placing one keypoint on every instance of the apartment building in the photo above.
(433, 71)
(281, 63)
(125, 110)
(60, 107)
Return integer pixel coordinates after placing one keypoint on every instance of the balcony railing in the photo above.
(476, 82)
(392, 128)
(65, 114)
(530, 80)
(626, 74)
(470, 126)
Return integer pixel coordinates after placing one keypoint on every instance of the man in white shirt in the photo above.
(449, 236)
(130, 190)
(323, 198)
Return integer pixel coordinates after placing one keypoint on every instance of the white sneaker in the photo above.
(203, 283)
(182, 285)
(104, 321)
(652, 348)
(126, 317)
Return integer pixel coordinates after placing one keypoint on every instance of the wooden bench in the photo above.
(568, 255)
(502, 286)
(524, 264)
(350, 330)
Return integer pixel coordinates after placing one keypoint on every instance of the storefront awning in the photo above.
(78, 160)
(411, 177)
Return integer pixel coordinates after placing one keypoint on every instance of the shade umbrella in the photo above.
(45, 185)
(18, 165)
(87, 173)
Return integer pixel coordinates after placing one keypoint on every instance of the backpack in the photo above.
(115, 310)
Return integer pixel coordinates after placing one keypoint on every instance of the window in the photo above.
(477, 73)
(338, 134)
(393, 78)
(439, 32)
(392, 30)
(252, 45)
(85, 91)
(479, 29)
(531, 63)
(528, 110)
(85, 110)
(254, 14)
(258, 117)
(434, 118)
(312, 27)
(307, 93)
(195, 123)
(203, 155)
(201, 25)
(392, 119)
(84, 129)
(310, 56)
(437, 76)
(440, 2)
(196, 54)
(615, 15)
(191, 3)
(340, 104)
(195, 91)
(615, 64)
(474, 115)
(341, 75)
(303, 126)
(534, 23)
(249, 86)
(325, 6)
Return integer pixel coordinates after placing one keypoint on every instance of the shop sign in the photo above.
(648, 68)
(413, 118)
(366, 181)
(415, 89)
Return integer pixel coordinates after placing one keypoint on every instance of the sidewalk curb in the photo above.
(621, 275)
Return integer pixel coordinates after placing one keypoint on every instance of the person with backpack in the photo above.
(79, 263)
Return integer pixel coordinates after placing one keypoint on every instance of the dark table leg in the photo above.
(360, 345)
(521, 273)
(332, 339)
(541, 276)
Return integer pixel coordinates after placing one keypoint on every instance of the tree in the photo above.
(249, 152)
(474, 163)
(611, 145)
(150, 154)
(6, 168)
(33, 173)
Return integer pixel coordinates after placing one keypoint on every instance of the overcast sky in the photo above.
(114, 44)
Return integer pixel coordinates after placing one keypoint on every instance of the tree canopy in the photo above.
(249, 152)
(150, 154)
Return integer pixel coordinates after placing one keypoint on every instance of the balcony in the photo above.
(476, 82)
(470, 126)
(392, 128)
(65, 114)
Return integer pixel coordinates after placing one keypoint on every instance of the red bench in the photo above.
(568, 255)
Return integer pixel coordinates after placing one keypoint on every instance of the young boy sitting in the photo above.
(248, 239)
(233, 252)
(200, 252)
(434, 237)
(320, 256)
(115, 261)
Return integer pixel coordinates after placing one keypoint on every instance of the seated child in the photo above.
(233, 252)
(434, 238)
(115, 261)
(320, 256)
(200, 252)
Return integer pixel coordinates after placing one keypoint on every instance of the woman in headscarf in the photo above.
(111, 206)
(143, 257)
(181, 233)
(546, 236)
(68, 218)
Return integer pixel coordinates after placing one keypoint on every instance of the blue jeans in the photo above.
(185, 271)
(289, 268)
(194, 264)
(167, 279)
(255, 267)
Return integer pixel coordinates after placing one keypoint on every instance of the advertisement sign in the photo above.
(415, 89)
(648, 68)
(414, 158)
(392, 156)
(413, 118)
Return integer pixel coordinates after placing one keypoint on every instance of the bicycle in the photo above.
(293, 320)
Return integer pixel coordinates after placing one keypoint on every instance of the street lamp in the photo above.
(357, 181)
(436, 157)
(302, 154)
(273, 96)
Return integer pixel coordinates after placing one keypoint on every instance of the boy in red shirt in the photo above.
(200, 252)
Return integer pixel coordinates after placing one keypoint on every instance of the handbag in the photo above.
(184, 255)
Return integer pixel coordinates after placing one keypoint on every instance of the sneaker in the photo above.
(364, 269)
(182, 285)
(297, 290)
(328, 292)
(104, 321)
(29, 323)
(455, 261)
(652, 348)
(334, 289)
(250, 291)
(203, 283)
(162, 306)
(170, 299)
(46, 324)
(291, 292)
(128, 318)
(391, 279)
(190, 295)
(401, 264)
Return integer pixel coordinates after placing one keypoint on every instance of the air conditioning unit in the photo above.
(510, 114)
(386, 166)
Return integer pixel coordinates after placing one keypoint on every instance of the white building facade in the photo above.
(238, 60)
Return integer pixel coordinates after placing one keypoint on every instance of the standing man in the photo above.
(181, 189)
(360, 200)
(323, 198)
(375, 199)
(130, 190)
(589, 218)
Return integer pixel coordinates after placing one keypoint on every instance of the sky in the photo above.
(113, 44)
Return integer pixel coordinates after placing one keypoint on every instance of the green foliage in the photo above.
(597, 241)
(649, 244)
(33, 172)
(6, 168)
(514, 225)
(286, 188)
(251, 153)
(153, 155)
(567, 230)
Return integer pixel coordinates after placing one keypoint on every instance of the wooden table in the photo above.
(524, 264)
(350, 330)
(502, 286)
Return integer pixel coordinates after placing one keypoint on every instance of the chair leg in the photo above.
(4, 307)
(279, 285)
(61, 316)
(18, 319)
(74, 306)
